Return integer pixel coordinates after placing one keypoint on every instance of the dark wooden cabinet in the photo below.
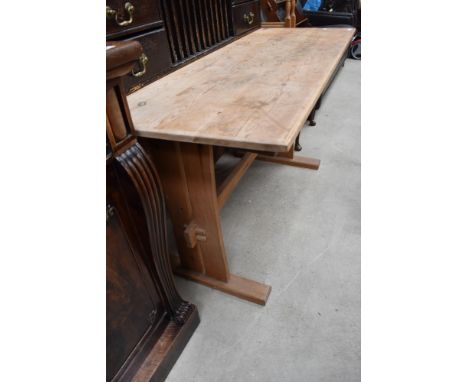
(148, 323)
(175, 32)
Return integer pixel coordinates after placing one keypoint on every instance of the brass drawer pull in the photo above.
(143, 61)
(112, 13)
(249, 19)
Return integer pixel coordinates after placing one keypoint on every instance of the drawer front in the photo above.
(245, 17)
(156, 48)
(132, 15)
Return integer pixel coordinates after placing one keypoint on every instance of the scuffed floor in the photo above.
(299, 231)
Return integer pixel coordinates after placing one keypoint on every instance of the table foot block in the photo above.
(297, 161)
(237, 286)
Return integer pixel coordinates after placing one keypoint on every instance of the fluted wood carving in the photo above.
(141, 171)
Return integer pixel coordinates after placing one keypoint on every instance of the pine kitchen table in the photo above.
(253, 94)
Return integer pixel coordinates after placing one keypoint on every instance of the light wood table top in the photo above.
(254, 93)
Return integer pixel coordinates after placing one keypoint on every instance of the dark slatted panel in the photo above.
(194, 26)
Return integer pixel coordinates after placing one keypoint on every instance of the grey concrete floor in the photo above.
(299, 231)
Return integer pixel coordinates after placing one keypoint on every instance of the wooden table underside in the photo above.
(194, 109)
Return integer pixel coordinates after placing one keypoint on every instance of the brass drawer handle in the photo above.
(112, 13)
(143, 61)
(249, 19)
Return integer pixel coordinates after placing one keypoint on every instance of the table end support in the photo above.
(237, 286)
(296, 161)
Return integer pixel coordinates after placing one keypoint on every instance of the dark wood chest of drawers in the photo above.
(175, 32)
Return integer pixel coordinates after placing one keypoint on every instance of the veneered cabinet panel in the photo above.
(131, 309)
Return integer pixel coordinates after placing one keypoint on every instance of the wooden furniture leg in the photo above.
(297, 144)
(311, 118)
(188, 177)
(319, 102)
(287, 18)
